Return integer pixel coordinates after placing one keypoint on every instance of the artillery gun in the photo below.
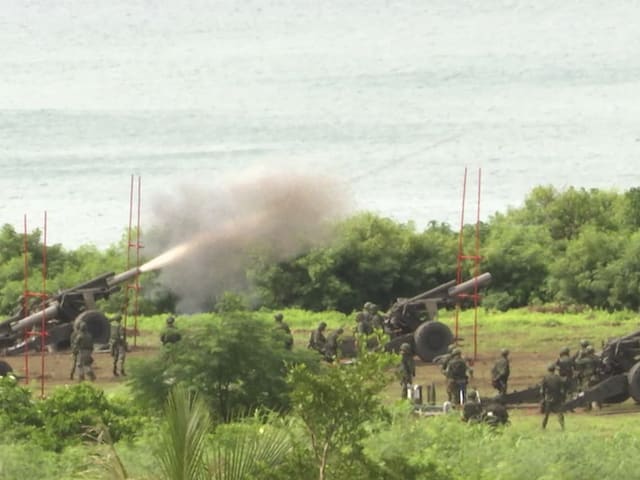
(618, 377)
(415, 320)
(60, 312)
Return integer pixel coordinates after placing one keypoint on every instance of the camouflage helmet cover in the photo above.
(451, 347)
(170, 320)
(504, 352)
(590, 349)
(322, 325)
(584, 343)
(278, 316)
(551, 367)
(564, 351)
(405, 347)
(456, 351)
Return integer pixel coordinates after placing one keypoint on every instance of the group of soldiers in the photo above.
(567, 376)
(327, 346)
(82, 347)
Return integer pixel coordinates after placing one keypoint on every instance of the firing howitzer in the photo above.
(60, 312)
(415, 320)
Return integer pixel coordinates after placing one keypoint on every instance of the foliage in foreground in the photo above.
(237, 362)
(69, 416)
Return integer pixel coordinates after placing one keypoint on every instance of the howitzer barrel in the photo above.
(434, 292)
(475, 282)
(36, 318)
(123, 277)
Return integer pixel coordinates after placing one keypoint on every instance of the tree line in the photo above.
(574, 246)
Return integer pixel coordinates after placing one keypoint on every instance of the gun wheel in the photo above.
(633, 378)
(432, 339)
(5, 368)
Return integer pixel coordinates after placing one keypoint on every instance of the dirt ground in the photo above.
(527, 369)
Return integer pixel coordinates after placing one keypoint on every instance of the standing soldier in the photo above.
(281, 326)
(317, 340)
(457, 377)
(363, 320)
(170, 334)
(565, 366)
(407, 368)
(118, 345)
(553, 394)
(500, 372)
(588, 367)
(375, 319)
(74, 350)
(84, 344)
(331, 346)
(444, 360)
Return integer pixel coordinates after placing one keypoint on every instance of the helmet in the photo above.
(456, 351)
(170, 320)
(564, 351)
(551, 367)
(472, 395)
(584, 343)
(405, 348)
(504, 352)
(590, 349)
(322, 325)
(340, 331)
(278, 317)
(373, 307)
(83, 327)
(451, 347)
(367, 305)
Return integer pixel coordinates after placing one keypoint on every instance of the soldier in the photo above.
(317, 340)
(84, 345)
(565, 366)
(363, 320)
(444, 362)
(500, 372)
(407, 369)
(118, 345)
(584, 343)
(74, 350)
(472, 409)
(331, 346)
(281, 326)
(553, 394)
(457, 377)
(588, 367)
(375, 319)
(170, 334)
(495, 414)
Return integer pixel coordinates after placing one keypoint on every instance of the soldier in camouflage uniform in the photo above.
(588, 367)
(457, 377)
(281, 326)
(407, 369)
(118, 343)
(363, 320)
(553, 395)
(584, 343)
(500, 372)
(565, 367)
(170, 334)
(331, 346)
(317, 340)
(74, 350)
(472, 409)
(375, 319)
(84, 344)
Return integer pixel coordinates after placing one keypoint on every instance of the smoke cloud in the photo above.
(205, 237)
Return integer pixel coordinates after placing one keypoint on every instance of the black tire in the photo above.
(432, 339)
(5, 368)
(633, 378)
(97, 324)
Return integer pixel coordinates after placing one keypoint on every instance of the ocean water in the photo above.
(391, 99)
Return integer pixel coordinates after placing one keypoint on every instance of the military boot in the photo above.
(122, 373)
(115, 371)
